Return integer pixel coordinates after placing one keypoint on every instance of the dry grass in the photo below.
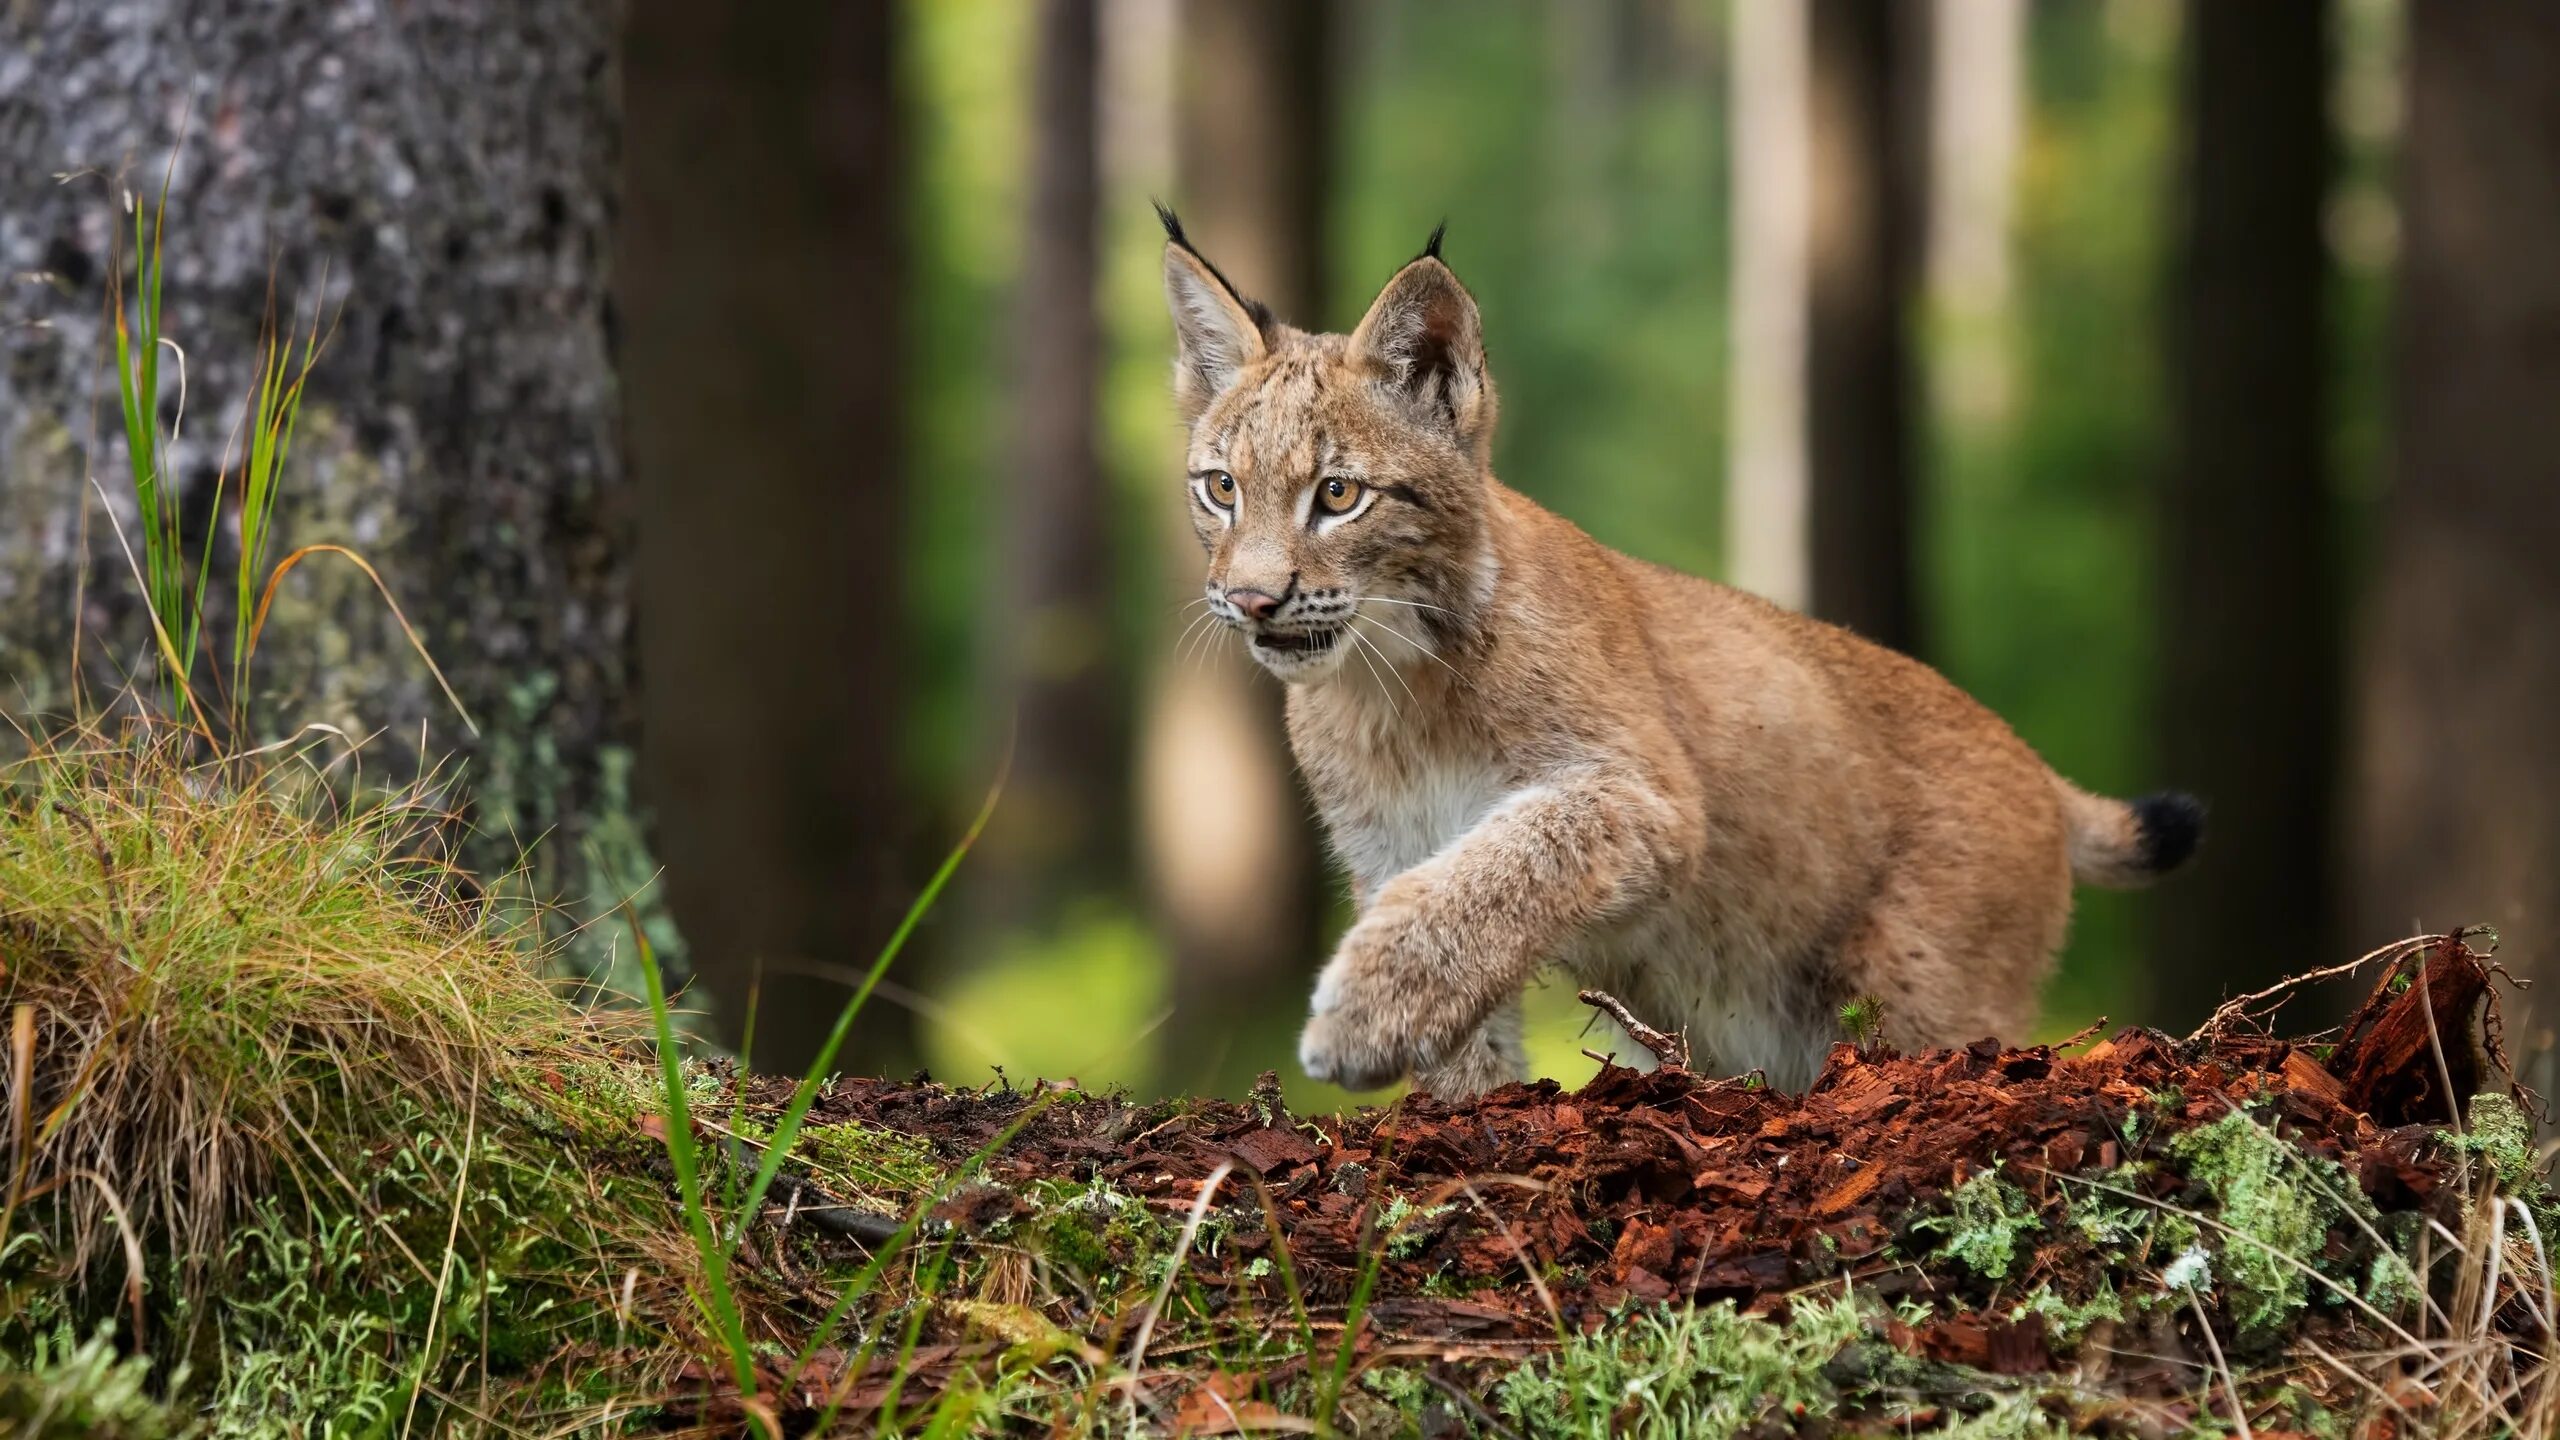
(217, 973)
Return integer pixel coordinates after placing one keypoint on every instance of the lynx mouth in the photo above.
(1301, 642)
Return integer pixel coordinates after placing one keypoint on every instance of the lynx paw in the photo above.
(1373, 1018)
(1349, 1048)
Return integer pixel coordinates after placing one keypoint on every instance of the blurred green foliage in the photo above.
(1583, 170)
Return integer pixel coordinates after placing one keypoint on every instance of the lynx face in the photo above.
(1336, 483)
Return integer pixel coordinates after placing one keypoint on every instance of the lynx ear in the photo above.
(1216, 332)
(1424, 334)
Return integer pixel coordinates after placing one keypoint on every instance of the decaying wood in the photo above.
(2415, 1054)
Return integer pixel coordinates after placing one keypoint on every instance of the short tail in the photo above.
(2123, 843)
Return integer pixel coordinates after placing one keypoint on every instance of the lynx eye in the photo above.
(1220, 487)
(1337, 495)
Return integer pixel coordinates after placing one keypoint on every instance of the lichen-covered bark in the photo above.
(449, 167)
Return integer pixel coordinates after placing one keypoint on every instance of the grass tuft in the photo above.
(223, 971)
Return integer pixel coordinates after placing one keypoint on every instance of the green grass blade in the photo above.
(720, 1306)
(787, 1129)
(869, 1275)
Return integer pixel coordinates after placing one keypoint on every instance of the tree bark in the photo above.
(1062, 824)
(2456, 801)
(761, 294)
(1858, 438)
(450, 169)
(1230, 857)
(2250, 690)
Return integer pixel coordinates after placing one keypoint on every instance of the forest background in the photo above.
(761, 412)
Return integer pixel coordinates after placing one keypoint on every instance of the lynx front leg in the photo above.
(1493, 1055)
(1444, 945)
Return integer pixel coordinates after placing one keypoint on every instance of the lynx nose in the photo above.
(1254, 603)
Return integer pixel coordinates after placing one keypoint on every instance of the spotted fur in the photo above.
(1530, 750)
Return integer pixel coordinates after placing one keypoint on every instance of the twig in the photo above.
(2222, 1367)
(2081, 1036)
(1672, 1051)
(2231, 1010)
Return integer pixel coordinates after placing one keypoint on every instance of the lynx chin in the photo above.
(1531, 750)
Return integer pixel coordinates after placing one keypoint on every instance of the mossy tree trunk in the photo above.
(439, 178)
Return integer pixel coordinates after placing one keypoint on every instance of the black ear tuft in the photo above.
(1431, 250)
(1263, 319)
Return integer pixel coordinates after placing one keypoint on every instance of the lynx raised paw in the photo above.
(1370, 1021)
(1350, 1048)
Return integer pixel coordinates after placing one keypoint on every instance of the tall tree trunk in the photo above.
(2249, 685)
(1824, 198)
(1060, 828)
(1772, 144)
(2457, 780)
(1977, 104)
(1859, 83)
(761, 293)
(450, 169)
(1230, 856)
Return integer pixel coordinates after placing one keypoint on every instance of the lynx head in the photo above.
(1334, 479)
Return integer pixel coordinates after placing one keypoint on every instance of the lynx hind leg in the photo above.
(1493, 1055)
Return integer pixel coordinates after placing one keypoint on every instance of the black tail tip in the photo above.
(2172, 825)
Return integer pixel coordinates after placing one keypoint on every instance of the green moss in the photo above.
(2502, 1134)
(1408, 1227)
(1990, 1216)
(1701, 1371)
(2068, 1320)
(85, 1391)
(2276, 1206)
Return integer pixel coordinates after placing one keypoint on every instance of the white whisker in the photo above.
(1425, 649)
(1365, 650)
(1416, 604)
(1390, 664)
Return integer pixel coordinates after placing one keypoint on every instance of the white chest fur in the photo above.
(1399, 823)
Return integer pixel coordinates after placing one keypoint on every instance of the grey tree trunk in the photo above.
(762, 276)
(2249, 689)
(2456, 800)
(450, 167)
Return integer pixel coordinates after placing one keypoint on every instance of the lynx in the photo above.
(1530, 750)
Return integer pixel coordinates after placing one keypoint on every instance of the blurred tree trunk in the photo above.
(1860, 82)
(1061, 825)
(2457, 778)
(1977, 120)
(1227, 845)
(1765, 466)
(761, 291)
(1826, 192)
(2249, 686)
(450, 169)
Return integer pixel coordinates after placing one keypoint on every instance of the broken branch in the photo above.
(1671, 1050)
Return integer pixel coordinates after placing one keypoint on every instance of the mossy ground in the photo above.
(301, 1142)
